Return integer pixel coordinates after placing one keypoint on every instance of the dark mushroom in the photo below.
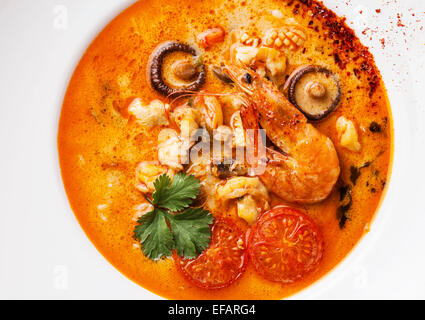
(181, 76)
(314, 90)
(355, 172)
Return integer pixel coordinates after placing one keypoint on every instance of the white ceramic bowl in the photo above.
(43, 251)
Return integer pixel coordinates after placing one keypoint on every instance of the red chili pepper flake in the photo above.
(399, 22)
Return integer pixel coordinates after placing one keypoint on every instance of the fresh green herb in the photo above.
(167, 227)
(355, 172)
(346, 201)
(191, 231)
(154, 234)
(176, 195)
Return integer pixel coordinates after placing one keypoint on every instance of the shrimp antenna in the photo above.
(188, 94)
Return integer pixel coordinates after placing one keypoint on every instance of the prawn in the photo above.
(306, 168)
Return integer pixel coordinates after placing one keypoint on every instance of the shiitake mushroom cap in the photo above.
(299, 74)
(155, 69)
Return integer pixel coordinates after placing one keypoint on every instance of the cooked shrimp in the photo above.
(308, 167)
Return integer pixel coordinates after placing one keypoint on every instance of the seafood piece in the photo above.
(151, 115)
(238, 130)
(222, 150)
(290, 37)
(241, 186)
(308, 168)
(246, 55)
(233, 103)
(200, 166)
(266, 61)
(211, 36)
(347, 134)
(248, 209)
(210, 109)
(274, 60)
(253, 197)
(186, 119)
(172, 149)
(223, 134)
(147, 172)
(248, 40)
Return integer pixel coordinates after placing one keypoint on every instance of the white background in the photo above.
(43, 251)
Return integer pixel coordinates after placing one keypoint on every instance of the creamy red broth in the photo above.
(100, 147)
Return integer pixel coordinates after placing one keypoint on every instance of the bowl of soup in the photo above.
(234, 149)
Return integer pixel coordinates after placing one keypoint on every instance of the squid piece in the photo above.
(187, 119)
(347, 134)
(252, 196)
(173, 150)
(151, 115)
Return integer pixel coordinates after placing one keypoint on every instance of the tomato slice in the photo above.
(222, 263)
(284, 245)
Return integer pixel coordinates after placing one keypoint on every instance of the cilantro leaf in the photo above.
(155, 235)
(161, 231)
(176, 195)
(191, 231)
